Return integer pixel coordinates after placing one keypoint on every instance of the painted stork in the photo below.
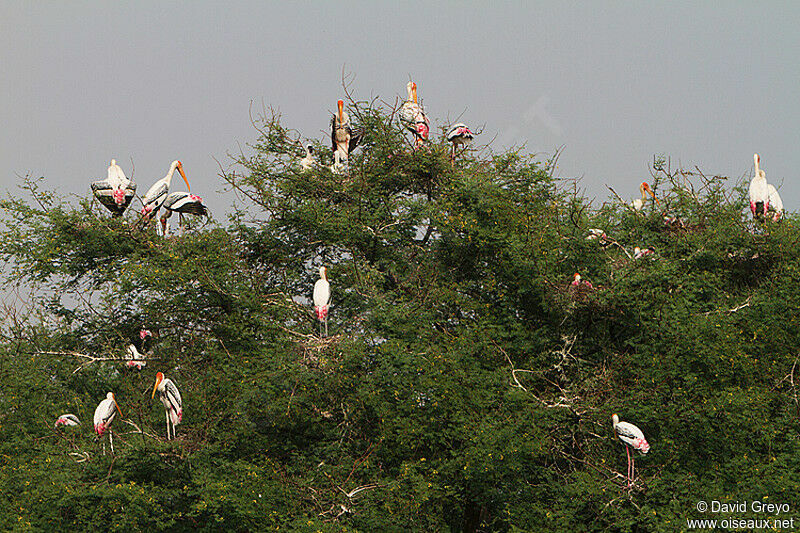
(181, 202)
(344, 139)
(597, 234)
(171, 399)
(307, 163)
(644, 189)
(322, 298)
(632, 437)
(67, 420)
(155, 197)
(413, 117)
(759, 191)
(116, 191)
(459, 134)
(638, 253)
(104, 415)
(775, 202)
(577, 281)
(138, 350)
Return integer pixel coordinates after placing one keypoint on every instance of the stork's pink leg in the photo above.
(628, 453)
(766, 206)
(753, 207)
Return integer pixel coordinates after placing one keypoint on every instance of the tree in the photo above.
(464, 386)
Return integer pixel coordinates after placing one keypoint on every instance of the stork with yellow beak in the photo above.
(644, 189)
(413, 116)
(104, 415)
(155, 197)
(344, 139)
(171, 399)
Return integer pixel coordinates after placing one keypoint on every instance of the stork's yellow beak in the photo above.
(159, 379)
(180, 169)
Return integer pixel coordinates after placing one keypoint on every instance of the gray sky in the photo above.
(707, 84)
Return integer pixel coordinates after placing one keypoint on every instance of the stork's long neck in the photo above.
(168, 177)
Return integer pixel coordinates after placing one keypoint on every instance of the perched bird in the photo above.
(181, 202)
(596, 234)
(155, 197)
(171, 399)
(116, 191)
(67, 420)
(577, 281)
(759, 191)
(638, 253)
(632, 437)
(338, 167)
(322, 298)
(644, 189)
(138, 350)
(307, 163)
(413, 117)
(104, 415)
(459, 135)
(775, 202)
(344, 139)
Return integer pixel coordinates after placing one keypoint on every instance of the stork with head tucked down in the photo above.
(759, 191)
(644, 189)
(155, 197)
(171, 399)
(459, 134)
(322, 298)
(67, 420)
(116, 191)
(344, 139)
(181, 202)
(104, 415)
(632, 437)
(413, 117)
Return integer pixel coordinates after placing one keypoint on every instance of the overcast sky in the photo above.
(708, 84)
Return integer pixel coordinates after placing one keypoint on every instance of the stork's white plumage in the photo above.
(632, 437)
(775, 202)
(759, 190)
(644, 189)
(155, 197)
(639, 253)
(104, 415)
(344, 139)
(67, 420)
(181, 202)
(116, 191)
(459, 134)
(307, 163)
(322, 298)
(171, 399)
(413, 116)
(338, 167)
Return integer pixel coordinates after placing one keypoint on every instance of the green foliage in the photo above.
(464, 386)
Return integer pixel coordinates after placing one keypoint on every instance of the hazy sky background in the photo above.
(708, 84)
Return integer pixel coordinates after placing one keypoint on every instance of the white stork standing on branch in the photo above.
(171, 399)
(632, 437)
(116, 191)
(155, 197)
(459, 134)
(322, 298)
(344, 139)
(181, 202)
(413, 117)
(644, 190)
(104, 415)
(67, 420)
